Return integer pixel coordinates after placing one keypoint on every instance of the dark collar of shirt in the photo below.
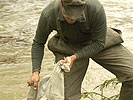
(81, 19)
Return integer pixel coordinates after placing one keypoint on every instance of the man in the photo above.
(81, 27)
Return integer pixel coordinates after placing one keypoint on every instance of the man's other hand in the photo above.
(34, 79)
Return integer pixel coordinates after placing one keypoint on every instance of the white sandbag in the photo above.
(51, 87)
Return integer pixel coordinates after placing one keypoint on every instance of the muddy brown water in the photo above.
(18, 22)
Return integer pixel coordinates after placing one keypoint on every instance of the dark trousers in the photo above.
(116, 59)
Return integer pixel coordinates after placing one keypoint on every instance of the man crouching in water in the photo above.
(81, 34)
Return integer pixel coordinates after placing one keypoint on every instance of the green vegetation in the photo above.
(91, 95)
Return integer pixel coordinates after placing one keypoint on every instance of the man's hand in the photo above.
(66, 60)
(35, 79)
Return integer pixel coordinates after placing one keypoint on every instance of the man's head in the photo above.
(72, 9)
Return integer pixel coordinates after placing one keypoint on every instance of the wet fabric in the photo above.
(51, 87)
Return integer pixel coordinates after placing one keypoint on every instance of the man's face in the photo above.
(70, 21)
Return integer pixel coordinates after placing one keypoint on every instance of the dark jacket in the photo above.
(74, 33)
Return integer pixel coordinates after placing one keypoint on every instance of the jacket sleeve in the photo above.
(98, 36)
(37, 51)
